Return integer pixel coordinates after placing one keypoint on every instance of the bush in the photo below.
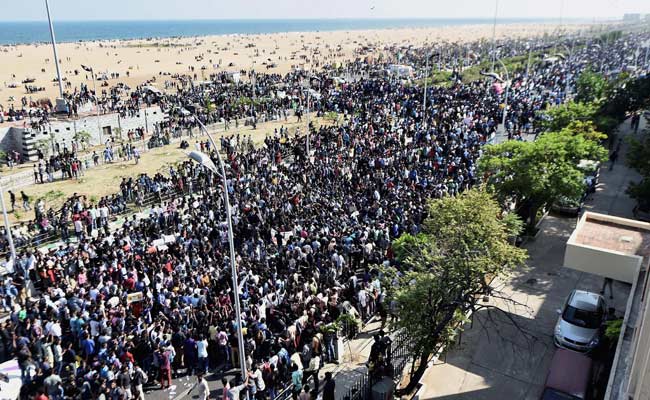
(613, 330)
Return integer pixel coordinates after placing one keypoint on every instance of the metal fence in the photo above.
(52, 236)
(286, 393)
(399, 354)
(361, 389)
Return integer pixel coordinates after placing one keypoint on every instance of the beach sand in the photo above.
(147, 59)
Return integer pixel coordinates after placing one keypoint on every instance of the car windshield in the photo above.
(552, 394)
(582, 318)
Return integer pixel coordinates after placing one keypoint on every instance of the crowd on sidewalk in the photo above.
(153, 298)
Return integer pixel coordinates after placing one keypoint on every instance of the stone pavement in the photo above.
(506, 354)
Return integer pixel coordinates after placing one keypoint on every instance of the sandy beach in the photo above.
(138, 61)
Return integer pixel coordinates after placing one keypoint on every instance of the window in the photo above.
(582, 318)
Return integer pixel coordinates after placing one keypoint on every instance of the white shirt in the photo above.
(362, 297)
(202, 348)
(204, 389)
(259, 381)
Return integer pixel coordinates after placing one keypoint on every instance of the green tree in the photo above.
(638, 157)
(209, 105)
(561, 116)
(625, 96)
(640, 191)
(447, 268)
(586, 129)
(590, 87)
(533, 175)
(638, 154)
(82, 136)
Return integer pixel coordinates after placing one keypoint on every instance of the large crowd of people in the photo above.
(115, 310)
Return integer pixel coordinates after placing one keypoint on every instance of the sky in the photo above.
(34, 10)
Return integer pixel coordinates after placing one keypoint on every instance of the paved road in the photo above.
(495, 360)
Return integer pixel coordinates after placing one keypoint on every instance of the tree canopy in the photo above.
(444, 270)
(638, 157)
(559, 117)
(586, 129)
(536, 174)
(590, 87)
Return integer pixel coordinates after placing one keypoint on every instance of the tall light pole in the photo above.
(60, 101)
(206, 161)
(307, 116)
(424, 100)
(530, 55)
(99, 125)
(568, 64)
(308, 87)
(10, 238)
(494, 34)
(505, 102)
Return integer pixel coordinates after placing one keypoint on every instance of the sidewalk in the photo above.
(497, 360)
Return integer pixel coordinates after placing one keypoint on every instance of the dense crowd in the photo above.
(152, 299)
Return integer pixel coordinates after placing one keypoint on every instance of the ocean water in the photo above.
(72, 31)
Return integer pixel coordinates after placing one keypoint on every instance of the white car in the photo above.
(579, 326)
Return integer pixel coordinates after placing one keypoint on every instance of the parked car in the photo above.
(569, 377)
(580, 324)
(569, 206)
(573, 206)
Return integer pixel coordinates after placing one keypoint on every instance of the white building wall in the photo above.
(608, 264)
(64, 131)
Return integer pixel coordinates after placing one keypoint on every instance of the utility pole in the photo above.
(10, 238)
(424, 101)
(60, 101)
(494, 34)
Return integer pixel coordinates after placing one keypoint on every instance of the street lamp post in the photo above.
(566, 79)
(530, 55)
(307, 118)
(207, 162)
(60, 101)
(308, 133)
(494, 33)
(505, 102)
(424, 100)
(10, 238)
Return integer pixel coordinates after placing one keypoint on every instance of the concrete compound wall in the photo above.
(24, 140)
(63, 131)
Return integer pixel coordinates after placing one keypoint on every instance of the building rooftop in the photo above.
(613, 236)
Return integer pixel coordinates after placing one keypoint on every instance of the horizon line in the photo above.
(319, 19)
